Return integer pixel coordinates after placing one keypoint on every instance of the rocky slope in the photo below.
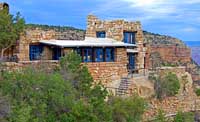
(62, 32)
(157, 39)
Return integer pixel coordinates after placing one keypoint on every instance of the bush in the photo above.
(167, 86)
(160, 117)
(127, 109)
(197, 92)
(167, 64)
(184, 117)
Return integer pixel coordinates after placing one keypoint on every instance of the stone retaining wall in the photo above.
(12, 66)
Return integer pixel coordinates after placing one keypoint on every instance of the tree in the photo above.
(10, 29)
(38, 96)
(92, 96)
(167, 85)
(127, 109)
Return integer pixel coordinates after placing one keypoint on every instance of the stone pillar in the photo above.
(66, 51)
(47, 53)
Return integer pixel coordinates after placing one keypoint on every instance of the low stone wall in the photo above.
(12, 66)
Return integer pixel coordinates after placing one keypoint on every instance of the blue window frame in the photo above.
(99, 55)
(109, 55)
(35, 52)
(129, 37)
(101, 34)
(87, 55)
(56, 53)
(96, 54)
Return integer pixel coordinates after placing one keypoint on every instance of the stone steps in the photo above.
(123, 87)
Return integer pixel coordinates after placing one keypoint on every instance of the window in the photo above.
(109, 54)
(101, 34)
(96, 54)
(99, 55)
(87, 55)
(78, 51)
(35, 52)
(129, 37)
(56, 53)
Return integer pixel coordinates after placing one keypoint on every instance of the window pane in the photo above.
(35, 52)
(101, 34)
(87, 55)
(129, 37)
(98, 55)
(78, 51)
(109, 55)
(56, 53)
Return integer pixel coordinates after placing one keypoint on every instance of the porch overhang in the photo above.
(88, 42)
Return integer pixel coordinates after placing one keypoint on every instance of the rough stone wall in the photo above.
(108, 72)
(13, 66)
(65, 51)
(33, 37)
(47, 53)
(114, 29)
(169, 53)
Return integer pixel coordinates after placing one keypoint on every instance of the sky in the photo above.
(178, 18)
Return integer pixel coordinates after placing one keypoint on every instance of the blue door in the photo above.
(131, 61)
(56, 53)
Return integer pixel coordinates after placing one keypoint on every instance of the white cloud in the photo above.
(189, 29)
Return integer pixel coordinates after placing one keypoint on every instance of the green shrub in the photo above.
(167, 86)
(127, 109)
(197, 92)
(160, 117)
(184, 117)
(167, 64)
